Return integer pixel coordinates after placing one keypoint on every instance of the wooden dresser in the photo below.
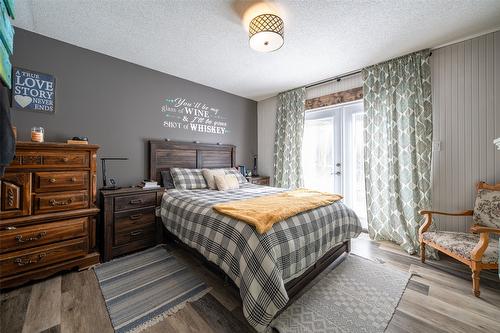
(47, 211)
(129, 221)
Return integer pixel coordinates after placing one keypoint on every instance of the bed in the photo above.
(267, 268)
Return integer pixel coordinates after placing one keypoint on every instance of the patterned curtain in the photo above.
(288, 138)
(398, 147)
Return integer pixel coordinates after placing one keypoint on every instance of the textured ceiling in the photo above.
(206, 41)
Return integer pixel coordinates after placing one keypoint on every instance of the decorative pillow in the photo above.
(487, 208)
(209, 174)
(166, 179)
(226, 182)
(188, 179)
(239, 176)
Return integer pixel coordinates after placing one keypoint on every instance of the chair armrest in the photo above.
(477, 229)
(464, 213)
(428, 217)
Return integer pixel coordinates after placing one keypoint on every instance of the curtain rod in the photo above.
(337, 78)
(334, 78)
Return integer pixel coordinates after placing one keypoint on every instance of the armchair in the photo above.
(476, 249)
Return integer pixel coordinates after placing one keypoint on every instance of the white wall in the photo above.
(266, 121)
(466, 118)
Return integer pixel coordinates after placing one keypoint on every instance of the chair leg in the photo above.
(475, 282)
(422, 252)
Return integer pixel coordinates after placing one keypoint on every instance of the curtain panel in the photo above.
(398, 147)
(290, 118)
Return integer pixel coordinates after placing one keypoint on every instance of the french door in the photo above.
(333, 153)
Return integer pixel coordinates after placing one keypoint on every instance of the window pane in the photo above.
(317, 154)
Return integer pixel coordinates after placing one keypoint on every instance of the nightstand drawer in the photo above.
(140, 232)
(134, 219)
(61, 181)
(261, 180)
(135, 201)
(30, 236)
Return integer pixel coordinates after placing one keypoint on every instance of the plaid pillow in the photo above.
(239, 176)
(188, 179)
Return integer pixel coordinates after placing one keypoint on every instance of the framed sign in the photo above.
(33, 91)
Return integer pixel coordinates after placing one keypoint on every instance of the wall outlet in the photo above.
(436, 145)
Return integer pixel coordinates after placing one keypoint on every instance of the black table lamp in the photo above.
(104, 179)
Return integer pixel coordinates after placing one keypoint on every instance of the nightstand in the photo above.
(128, 220)
(259, 180)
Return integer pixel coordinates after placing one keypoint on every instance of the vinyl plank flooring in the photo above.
(438, 299)
(218, 317)
(463, 320)
(186, 320)
(44, 308)
(13, 309)
(405, 323)
(82, 305)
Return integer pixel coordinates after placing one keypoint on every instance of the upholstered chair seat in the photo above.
(462, 244)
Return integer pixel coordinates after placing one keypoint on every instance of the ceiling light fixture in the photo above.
(266, 33)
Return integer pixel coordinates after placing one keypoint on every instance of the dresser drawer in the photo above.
(21, 261)
(52, 202)
(54, 159)
(135, 201)
(25, 237)
(61, 181)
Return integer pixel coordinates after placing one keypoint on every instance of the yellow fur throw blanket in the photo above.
(263, 212)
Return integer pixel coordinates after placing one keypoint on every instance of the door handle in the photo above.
(338, 173)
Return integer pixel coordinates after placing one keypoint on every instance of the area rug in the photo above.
(143, 288)
(357, 296)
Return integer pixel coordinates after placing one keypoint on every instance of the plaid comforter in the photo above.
(259, 265)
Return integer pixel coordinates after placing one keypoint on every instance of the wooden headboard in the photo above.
(164, 155)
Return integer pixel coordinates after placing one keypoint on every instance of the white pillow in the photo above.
(226, 182)
(209, 175)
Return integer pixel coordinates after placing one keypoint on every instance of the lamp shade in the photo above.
(266, 33)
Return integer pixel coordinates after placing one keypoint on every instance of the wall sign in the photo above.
(33, 90)
(193, 116)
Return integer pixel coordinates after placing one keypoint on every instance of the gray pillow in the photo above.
(239, 176)
(166, 179)
(188, 179)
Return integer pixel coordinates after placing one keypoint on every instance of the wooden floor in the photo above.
(437, 299)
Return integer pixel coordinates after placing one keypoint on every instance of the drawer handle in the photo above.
(73, 179)
(19, 238)
(65, 159)
(135, 216)
(136, 233)
(136, 201)
(10, 228)
(52, 180)
(22, 261)
(54, 202)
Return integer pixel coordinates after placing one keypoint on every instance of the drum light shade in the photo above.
(266, 33)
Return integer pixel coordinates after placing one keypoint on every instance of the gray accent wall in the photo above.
(117, 105)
